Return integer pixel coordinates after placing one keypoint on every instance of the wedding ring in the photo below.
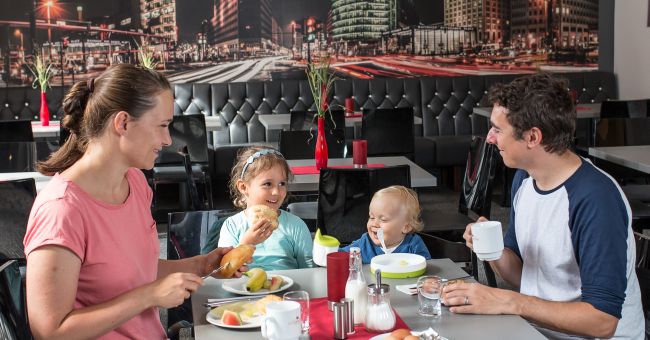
(467, 300)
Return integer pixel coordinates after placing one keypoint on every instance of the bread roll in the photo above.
(236, 258)
(260, 211)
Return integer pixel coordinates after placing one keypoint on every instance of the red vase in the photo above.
(45, 112)
(321, 145)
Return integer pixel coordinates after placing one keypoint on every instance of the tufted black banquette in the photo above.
(444, 103)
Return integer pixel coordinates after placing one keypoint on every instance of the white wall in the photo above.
(632, 48)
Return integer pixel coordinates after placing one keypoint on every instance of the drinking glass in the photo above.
(302, 297)
(429, 290)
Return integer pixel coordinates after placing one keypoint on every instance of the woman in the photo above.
(91, 244)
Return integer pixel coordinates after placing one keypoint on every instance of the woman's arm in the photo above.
(199, 265)
(52, 278)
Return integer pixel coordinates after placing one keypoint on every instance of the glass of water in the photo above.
(302, 297)
(429, 291)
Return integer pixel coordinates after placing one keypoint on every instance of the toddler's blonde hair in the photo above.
(411, 203)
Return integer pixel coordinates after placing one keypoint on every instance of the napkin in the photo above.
(321, 322)
(408, 289)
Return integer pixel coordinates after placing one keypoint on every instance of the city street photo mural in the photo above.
(214, 41)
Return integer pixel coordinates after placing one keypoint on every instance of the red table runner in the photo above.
(321, 322)
(311, 169)
(51, 123)
(353, 115)
(581, 108)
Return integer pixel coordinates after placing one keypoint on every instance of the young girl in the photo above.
(396, 211)
(260, 176)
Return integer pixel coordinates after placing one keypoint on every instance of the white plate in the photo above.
(253, 322)
(238, 286)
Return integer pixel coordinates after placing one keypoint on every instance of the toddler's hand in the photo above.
(258, 233)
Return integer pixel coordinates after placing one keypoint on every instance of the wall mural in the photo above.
(214, 41)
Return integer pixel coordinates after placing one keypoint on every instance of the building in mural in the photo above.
(429, 40)
(489, 17)
(159, 17)
(362, 21)
(242, 27)
(554, 24)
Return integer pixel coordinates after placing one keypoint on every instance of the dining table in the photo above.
(635, 157)
(583, 111)
(314, 281)
(51, 130)
(39, 179)
(309, 182)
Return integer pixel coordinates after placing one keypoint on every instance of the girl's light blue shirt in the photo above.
(289, 247)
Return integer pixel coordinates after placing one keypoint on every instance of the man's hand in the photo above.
(468, 233)
(475, 298)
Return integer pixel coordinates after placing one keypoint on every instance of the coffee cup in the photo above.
(487, 238)
(282, 321)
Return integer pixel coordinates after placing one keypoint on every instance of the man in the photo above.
(569, 248)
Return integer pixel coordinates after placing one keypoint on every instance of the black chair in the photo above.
(389, 132)
(14, 324)
(189, 139)
(475, 196)
(440, 248)
(16, 200)
(344, 196)
(192, 233)
(18, 156)
(305, 120)
(16, 131)
(625, 108)
(643, 272)
(301, 144)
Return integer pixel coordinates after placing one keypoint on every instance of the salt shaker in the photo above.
(380, 317)
(340, 320)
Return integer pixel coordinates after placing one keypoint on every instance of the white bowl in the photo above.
(399, 265)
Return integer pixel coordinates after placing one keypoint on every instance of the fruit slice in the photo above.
(231, 318)
(257, 277)
(267, 284)
(276, 282)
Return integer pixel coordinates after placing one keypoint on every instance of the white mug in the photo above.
(487, 238)
(282, 321)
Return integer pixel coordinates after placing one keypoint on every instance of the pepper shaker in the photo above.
(350, 308)
(340, 320)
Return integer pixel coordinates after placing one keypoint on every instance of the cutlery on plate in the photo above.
(219, 302)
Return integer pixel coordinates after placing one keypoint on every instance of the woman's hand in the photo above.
(258, 233)
(468, 233)
(173, 289)
(212, 261)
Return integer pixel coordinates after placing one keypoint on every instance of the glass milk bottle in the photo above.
(356, 287)
(380, 317)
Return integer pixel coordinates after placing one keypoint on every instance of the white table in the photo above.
(314, 281)
(41, 131)
(41, 180)
(213, 123)
(584, 111)
(282, 121)
(419, 177)
(634, 157)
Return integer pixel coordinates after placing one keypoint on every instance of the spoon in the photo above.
(380, 235)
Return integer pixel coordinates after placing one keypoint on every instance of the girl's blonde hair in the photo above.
(411, 203)
(254, 166)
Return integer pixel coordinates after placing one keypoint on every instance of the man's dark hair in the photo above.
(542, 101)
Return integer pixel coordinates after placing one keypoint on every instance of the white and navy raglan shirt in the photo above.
(576, 244)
